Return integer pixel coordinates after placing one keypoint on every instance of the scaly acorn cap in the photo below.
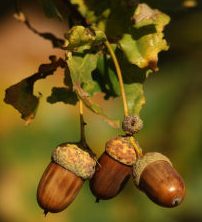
(144, 161)
(121, 149)
(132, 124)
(74, 159)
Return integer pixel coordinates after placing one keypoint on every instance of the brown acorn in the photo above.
(64, 177)
(114, 168)
(156, 177)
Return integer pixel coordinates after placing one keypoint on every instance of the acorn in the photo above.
(156, 177)
(62, 180)
(114, 168)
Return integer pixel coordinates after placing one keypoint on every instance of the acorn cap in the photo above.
(144, 161)
(73, 158)
(121, 149)
(132, 124)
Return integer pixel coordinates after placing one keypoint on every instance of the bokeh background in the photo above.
(172, 121)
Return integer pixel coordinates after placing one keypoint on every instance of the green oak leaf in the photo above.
(145, 39)
(111, 16)
(95, 108)
(79, 38)
(81, 68)
(137, 29)
(105, 77)
(133, 81)
(135, 97)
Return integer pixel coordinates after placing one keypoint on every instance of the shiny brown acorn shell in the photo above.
(162, 184)
(57, 188)
(109, 178)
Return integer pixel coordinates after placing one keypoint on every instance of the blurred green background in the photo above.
(172, 122)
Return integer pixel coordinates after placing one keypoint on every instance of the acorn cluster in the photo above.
(73, 163)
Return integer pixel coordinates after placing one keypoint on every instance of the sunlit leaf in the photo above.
(135, 97)
(145, 40)
(81, 37)
(81, 69)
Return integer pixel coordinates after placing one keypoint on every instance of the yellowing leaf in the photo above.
(84, 38)
(145, 40)
(144, 15)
